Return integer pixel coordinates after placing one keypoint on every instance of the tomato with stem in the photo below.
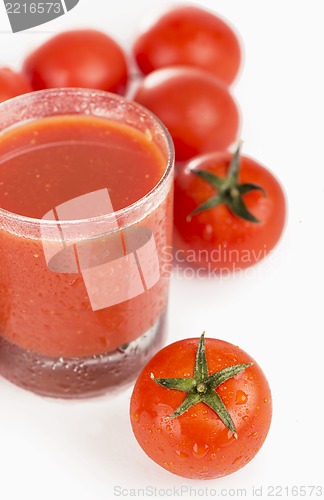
(201, 408)
(229, 211)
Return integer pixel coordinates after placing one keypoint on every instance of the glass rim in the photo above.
(114, 97)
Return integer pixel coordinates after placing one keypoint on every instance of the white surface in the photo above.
(53, 449)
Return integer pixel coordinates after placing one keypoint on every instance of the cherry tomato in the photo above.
(189, 36)
(80, 58)
(229, 211)
(198, 110)
(201, 409)
(12, 84)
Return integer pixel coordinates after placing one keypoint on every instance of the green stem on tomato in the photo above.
(229, 191)
(201, 388)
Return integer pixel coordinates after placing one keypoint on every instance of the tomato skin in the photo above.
(190, 36)
(80, 58)
(216, 239)
(198, 110)
(12, 84)
(196, 444)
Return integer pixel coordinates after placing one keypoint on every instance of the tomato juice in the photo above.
(53, 339)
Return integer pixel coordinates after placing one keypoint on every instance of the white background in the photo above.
(83, 450)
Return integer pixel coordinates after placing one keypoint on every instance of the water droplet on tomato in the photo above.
(200, 450)
(241, 398)
(208, 232)
(181, 454)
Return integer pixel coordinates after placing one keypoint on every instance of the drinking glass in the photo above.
(84, 287)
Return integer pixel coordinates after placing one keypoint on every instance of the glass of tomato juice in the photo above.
(86, 193)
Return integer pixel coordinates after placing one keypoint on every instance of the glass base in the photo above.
(80, 377)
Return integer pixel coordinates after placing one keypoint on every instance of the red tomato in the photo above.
(81, 58)
(189, 36)
(198, 110)
(216, 238)
(214, 423)
(12, 84)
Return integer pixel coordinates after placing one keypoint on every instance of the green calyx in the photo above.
(201, 387)
(229, 191)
